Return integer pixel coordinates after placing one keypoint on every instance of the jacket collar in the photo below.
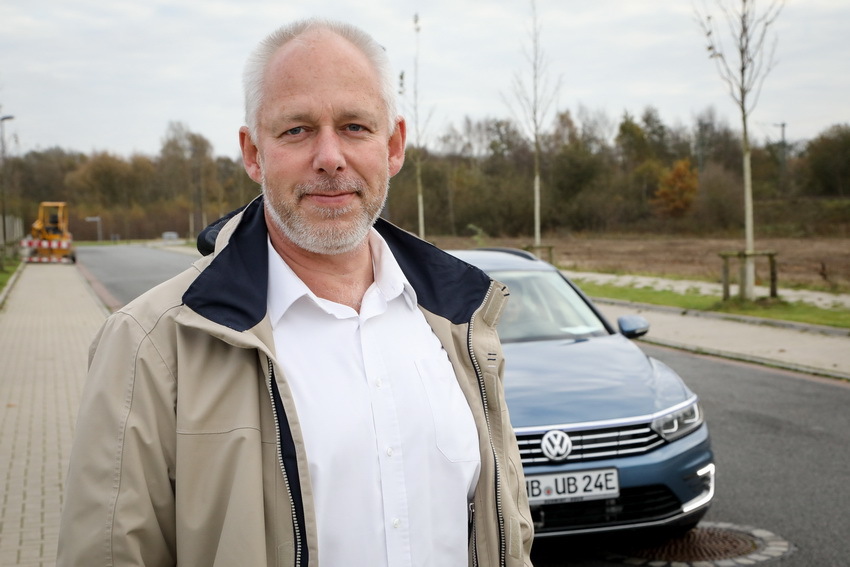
(233, 289)
(444, 285)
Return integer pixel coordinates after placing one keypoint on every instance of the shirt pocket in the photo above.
(454, 427)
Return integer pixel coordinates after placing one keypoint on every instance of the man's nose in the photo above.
(329, 157)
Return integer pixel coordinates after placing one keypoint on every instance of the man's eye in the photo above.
(294, 131)
(355, 128)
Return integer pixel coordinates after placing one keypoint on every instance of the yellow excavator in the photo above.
(50, 240)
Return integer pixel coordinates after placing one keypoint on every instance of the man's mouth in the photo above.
(329, 190)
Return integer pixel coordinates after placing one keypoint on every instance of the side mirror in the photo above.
(633, 326)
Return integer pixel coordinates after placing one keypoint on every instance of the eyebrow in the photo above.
(371, 119)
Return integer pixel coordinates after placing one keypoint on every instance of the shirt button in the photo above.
(396, 522)
(379, 383)
(389, 451)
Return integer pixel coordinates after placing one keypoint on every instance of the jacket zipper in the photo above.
(472, 537)
(296, 527)
(481, 386)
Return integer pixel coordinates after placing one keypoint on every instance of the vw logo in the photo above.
(556, 445)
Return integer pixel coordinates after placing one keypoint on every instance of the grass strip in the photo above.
(767, 308)
(9, 267)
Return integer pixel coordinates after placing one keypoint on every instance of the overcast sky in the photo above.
(89, 75)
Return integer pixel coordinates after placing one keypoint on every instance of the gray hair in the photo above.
(255, 68)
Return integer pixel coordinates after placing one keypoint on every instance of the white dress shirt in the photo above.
(390, 439)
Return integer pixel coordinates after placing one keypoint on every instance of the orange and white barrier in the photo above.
(38, 243)
(39, 250)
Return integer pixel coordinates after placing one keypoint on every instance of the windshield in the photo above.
(543, 306)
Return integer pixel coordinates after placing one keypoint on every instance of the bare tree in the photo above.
(752, 58)
(535, 99)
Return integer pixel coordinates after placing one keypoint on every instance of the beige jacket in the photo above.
(188, 451)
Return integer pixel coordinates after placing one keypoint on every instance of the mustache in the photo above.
(333, 186)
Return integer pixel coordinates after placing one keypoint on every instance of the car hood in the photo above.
(601, 378)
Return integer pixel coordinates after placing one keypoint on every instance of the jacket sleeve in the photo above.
(119, 494)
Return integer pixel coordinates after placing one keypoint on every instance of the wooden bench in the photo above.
(742, 256)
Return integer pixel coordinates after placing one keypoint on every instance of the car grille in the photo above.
(591, 444)
(632, 506)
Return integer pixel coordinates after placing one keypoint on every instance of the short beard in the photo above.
(331, 238)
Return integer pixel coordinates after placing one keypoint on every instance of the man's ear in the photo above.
(250, 155)
(395, 147)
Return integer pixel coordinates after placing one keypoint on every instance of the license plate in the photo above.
(572, 486)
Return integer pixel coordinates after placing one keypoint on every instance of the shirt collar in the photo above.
(285, 287)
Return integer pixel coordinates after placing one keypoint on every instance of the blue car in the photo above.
(610, 438)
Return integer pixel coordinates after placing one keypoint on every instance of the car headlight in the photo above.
(678, 423)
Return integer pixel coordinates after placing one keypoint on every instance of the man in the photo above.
(317, 390)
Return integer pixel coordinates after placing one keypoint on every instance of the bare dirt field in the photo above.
(820, 263)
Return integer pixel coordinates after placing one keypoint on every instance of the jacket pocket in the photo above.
(454, 427)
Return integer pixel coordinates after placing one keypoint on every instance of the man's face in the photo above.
(324, 151)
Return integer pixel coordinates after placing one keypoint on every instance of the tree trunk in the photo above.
(749, 275)
(420, 204)
(536, 188)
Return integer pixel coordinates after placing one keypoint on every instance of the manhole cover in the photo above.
(709, 544)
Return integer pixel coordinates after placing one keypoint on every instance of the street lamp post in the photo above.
(99, 232)
(3, 120)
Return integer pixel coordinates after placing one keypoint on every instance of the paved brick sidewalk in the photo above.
(46, 325)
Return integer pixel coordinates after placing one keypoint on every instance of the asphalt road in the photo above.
(127, 271)
(782, 446)
(781, 439)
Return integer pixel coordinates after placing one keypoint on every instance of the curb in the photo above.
(4, 293)
(108, 301)
(800, 327)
